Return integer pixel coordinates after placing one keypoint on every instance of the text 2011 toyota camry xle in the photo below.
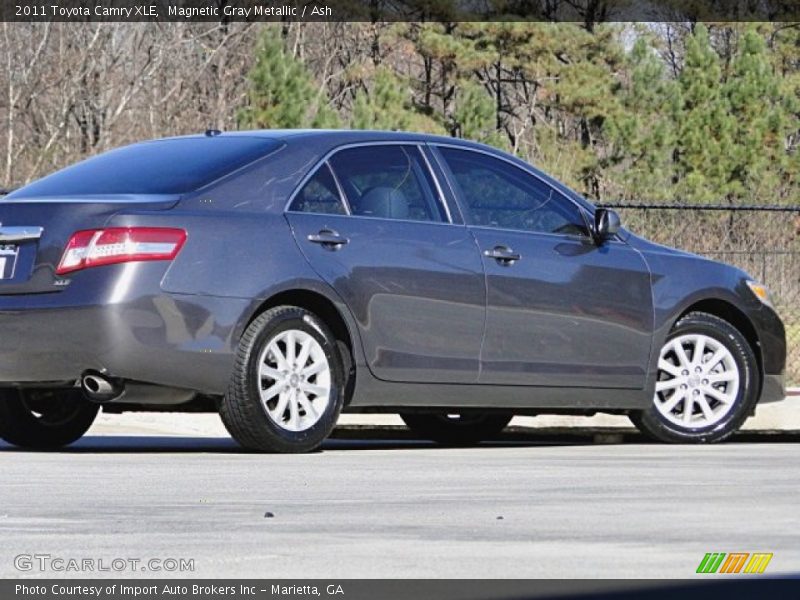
(281, 277)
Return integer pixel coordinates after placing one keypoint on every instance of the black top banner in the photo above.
(583, 11)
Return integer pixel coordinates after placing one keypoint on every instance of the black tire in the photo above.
(454, 429)
(44, 419)
(656, 426)
(242, 412)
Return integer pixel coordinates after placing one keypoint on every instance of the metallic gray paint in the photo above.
(567, 314)
(416, 291)
(682, 280)
(569, 326)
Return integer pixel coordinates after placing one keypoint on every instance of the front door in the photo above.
(371, 223)
(561, 310)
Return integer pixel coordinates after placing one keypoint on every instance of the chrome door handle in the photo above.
(328, 238)
(503, 255)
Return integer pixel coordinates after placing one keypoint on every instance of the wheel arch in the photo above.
(719, 307)
(326, 309)
(735, 316)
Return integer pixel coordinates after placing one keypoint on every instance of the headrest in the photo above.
(385, 202)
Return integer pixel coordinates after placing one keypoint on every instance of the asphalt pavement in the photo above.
(535, 506)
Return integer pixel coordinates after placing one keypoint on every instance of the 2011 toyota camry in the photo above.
(281, 277)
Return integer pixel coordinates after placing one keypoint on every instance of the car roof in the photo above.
(336, 136)
(329, 139)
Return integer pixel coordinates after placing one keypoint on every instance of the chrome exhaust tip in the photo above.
(100, 388)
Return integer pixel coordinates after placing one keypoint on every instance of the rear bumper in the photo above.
(169, 339)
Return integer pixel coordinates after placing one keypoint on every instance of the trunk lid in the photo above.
(35, 231)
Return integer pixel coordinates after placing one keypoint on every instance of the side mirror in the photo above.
(606, 224)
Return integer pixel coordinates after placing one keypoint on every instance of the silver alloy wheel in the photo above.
(698, 381)
(294, 380)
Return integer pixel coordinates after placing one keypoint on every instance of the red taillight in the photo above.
(97, 247)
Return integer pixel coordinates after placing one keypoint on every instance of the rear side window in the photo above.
(319, 195)
(388, 182)
(498, 194)
(173, 166)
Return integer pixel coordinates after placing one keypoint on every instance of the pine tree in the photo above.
(387, 106)
(757, 157)
(384, 106)
(642, 134)
(282, 92)
(474, 115)
(706, 127)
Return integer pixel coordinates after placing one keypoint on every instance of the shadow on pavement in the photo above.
(161, 444)
(391, 438)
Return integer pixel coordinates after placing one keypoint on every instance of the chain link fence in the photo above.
(764, 241)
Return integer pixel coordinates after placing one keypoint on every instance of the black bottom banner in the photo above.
(386, 589)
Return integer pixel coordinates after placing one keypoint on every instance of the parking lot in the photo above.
(533, 504)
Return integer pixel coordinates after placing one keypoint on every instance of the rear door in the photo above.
(372, 222)
(561, 311)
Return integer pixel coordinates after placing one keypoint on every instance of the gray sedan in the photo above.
(281, 277)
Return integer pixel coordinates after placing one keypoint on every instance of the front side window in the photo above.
(319, 195)
(388, 182)
(498, 194)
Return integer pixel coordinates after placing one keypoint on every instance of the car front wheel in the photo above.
(456, 429)
(44, 419)
(707, 383)
(286, 391)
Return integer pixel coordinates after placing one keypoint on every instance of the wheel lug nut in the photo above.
(705, 381)
(698, 370)
(684, 387)
(685, 373)
(696, 392)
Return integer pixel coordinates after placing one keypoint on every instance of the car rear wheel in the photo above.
(44, 419)
(456, 428)
(707, 383)
(286, 391)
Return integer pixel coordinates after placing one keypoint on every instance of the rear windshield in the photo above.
(172, 166)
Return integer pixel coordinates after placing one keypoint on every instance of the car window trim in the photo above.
(562, 236)
(326, 159)
(439, 190)
(342, 196)
(381, 219)
(452, 203)
(448, 174)
(314, 172)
